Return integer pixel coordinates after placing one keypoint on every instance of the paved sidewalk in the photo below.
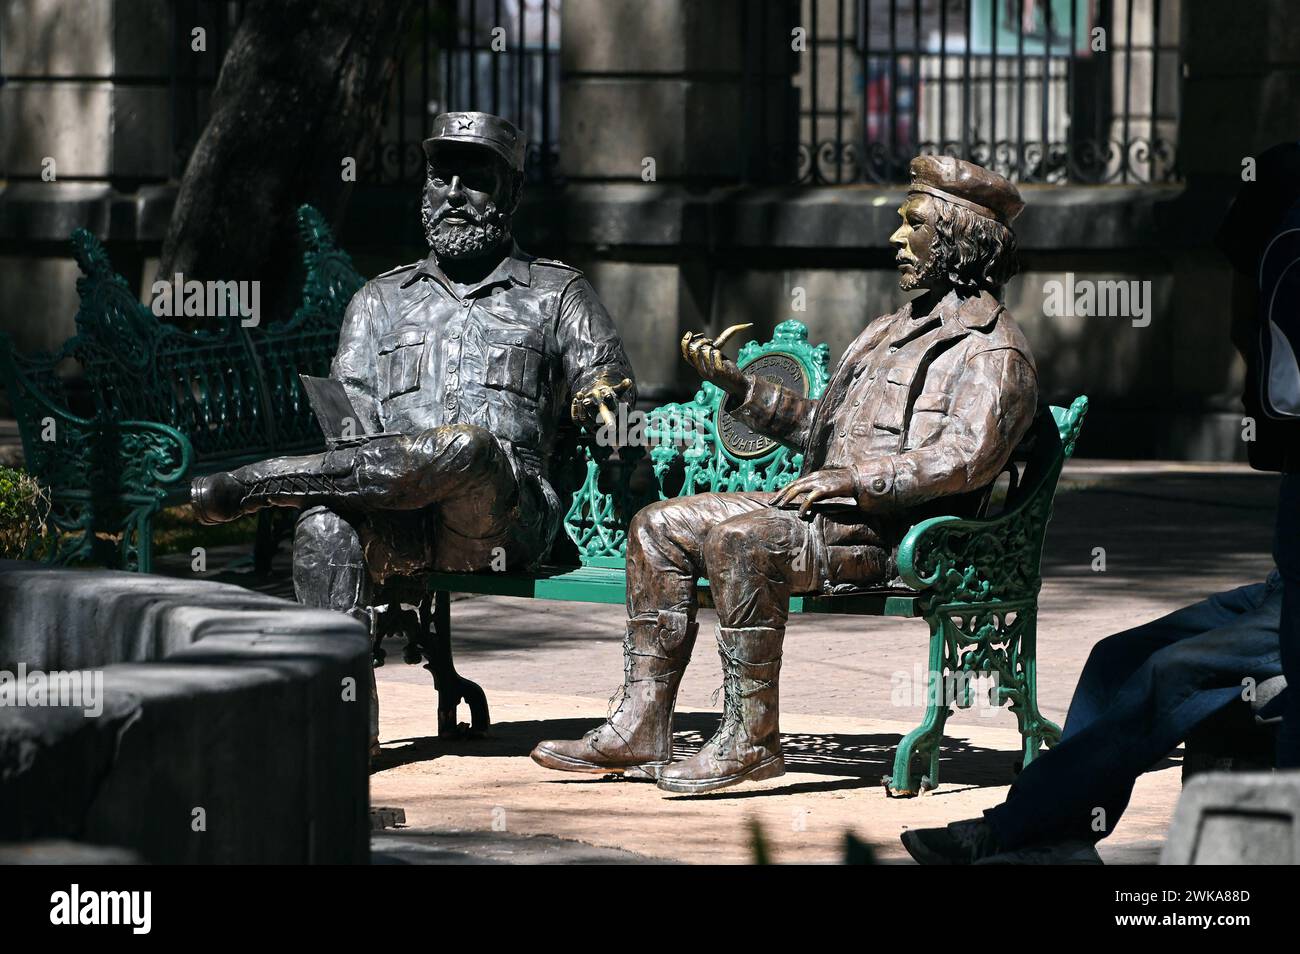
(1171, 534)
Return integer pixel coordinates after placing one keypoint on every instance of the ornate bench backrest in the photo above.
(997, 557)
(138, 367)
(305, 344)
(695, 448)
(233, 391)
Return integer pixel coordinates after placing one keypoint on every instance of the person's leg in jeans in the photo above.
(1117, 729)
(1116, 658)
(1286, 552)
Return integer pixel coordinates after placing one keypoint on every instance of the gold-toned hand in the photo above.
(597, 403)
(704, 354)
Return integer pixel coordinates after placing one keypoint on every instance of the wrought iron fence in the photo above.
(1083, 91)
(499, 56)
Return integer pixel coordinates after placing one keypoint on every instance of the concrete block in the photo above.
(666, 37)
(689, 127)
(142, 144)
(1225, 38)
(58, 852)
(1236, 819)
(142, 34)
(599, 140)
(1226, 118)
(56, 37)
(38, 299)
(1104, 356)
(839, 303)
(69, 122)
(49, 211)
(653, 306)
(233, 725)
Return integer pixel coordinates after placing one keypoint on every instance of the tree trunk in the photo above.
(301, 89)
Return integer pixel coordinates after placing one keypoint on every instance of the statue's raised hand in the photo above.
(704, 354)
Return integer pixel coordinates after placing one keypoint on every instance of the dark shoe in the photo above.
(747, 745)
(328, 478)
(216, 498)
(960, 843)
(1073, 852)
(639, 732)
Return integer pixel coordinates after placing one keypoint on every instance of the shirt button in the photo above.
(878, 485)
(455, 335)
(467, 302)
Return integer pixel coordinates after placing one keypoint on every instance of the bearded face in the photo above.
(942, 245)
(919, 263)
(467, 204)
(455, 234)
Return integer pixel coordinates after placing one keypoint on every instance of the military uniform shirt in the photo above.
(414, 354)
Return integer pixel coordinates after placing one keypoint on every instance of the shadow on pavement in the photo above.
(849, 761)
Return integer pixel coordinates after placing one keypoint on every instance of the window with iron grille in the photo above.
(497, 56)
(1050, 91)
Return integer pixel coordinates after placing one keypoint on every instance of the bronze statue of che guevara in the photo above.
(918, 418)
(458, 366)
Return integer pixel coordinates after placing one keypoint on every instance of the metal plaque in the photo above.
(742, 441)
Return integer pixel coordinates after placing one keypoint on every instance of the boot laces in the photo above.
(732, 726)
(618, 698)
(299, 485)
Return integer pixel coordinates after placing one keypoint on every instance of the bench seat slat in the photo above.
(599, 584)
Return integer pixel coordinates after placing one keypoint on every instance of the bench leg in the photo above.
(453, 688)
(1036, 730)
(927, 738)
(135, 551)
(273, 526)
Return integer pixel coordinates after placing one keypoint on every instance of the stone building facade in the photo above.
(705, 242)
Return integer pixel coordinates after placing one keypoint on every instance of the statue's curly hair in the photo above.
(975, 251)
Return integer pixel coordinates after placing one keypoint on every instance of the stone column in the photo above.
(85, 106)
(1239, 96)
(1241, 86)
(655, 102)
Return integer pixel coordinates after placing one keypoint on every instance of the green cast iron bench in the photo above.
(154, 405)
(975, 582)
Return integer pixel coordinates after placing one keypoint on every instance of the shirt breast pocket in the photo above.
(514, 360)
(929, 414)
(401, 360)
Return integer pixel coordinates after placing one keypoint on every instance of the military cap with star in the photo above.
(478, 129)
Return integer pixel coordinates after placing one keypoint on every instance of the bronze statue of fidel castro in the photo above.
(918, 418)
(458, 365)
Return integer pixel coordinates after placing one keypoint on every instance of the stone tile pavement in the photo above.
(1171, 533)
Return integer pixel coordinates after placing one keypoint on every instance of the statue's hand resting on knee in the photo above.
(828, 484)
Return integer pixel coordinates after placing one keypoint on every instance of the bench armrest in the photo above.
(974, 561)
(153, 456)
(997, 558)
(66, 451)
(126, 459)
